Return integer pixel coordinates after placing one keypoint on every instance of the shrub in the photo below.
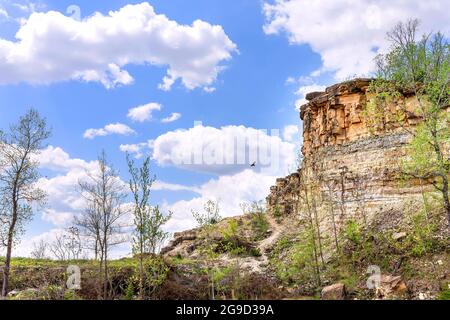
(294, 263)
(71, 295)
(445, 293)
(156, 271)
(260, 224)
(420, 239)
(255, 252)
(230, 233)
(277, 213)
(352, 232)
(232, 242)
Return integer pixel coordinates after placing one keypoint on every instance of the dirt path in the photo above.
(268, 242)
(259, 264)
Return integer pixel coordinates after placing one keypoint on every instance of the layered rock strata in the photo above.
(355, 165)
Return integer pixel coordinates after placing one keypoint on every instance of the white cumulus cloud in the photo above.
(144, 112)
(62, 187)
(137, 149)
(165, 186)
(113, 128)
(348, 34)
(173, 117)
(56, 159)
(303, 90)
(57, 218)
(52, 47)
(291, 133)
(229, 190)
(224, 150)
(3, 13)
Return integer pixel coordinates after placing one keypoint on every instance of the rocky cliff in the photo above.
(354, 164)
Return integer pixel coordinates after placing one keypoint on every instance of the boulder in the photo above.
(390, 287)
(399, 235)
(13, 293)
(334, 292)
(178, 239)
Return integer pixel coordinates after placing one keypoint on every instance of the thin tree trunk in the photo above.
(7, 268)
(316, 256)
(445, 186)
(446, 198)
(316, 220)
(342, 196)
(105, 280)
(333, 219)
(100, 272)
(212, 285)
(96, 249)
(141, 268)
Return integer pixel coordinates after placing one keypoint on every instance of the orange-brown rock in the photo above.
(334, 292)
(357, 164)
(335, 117)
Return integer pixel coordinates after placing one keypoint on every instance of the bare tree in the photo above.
(58, 249)
(39, 251)
(67, 245)
(210, 216)
(89, 225)
(360, 185)
(317, 176)
(207, 220)
(73, 243)
(18, 180)
(104, 195)
(308, 214)
(343, 173)
(330, 190)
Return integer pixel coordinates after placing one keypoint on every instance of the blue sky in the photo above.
(251, 73)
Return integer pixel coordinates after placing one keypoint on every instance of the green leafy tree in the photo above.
(148, 220)
(419, 68)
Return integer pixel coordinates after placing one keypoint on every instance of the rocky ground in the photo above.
(380, 267)
(262, 263)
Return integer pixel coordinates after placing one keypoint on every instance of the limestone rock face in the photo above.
(357, 165)
(187, 238)
(335, 117)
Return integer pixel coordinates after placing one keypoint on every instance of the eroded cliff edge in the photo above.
(355, 162)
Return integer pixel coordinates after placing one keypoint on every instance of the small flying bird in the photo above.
(253, 164)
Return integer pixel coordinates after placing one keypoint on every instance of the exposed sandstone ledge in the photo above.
(335, 117)
(180, 238)
(336, 137)
(372, 162)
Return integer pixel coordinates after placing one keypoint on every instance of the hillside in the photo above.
(346, 225)
(349, 210)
